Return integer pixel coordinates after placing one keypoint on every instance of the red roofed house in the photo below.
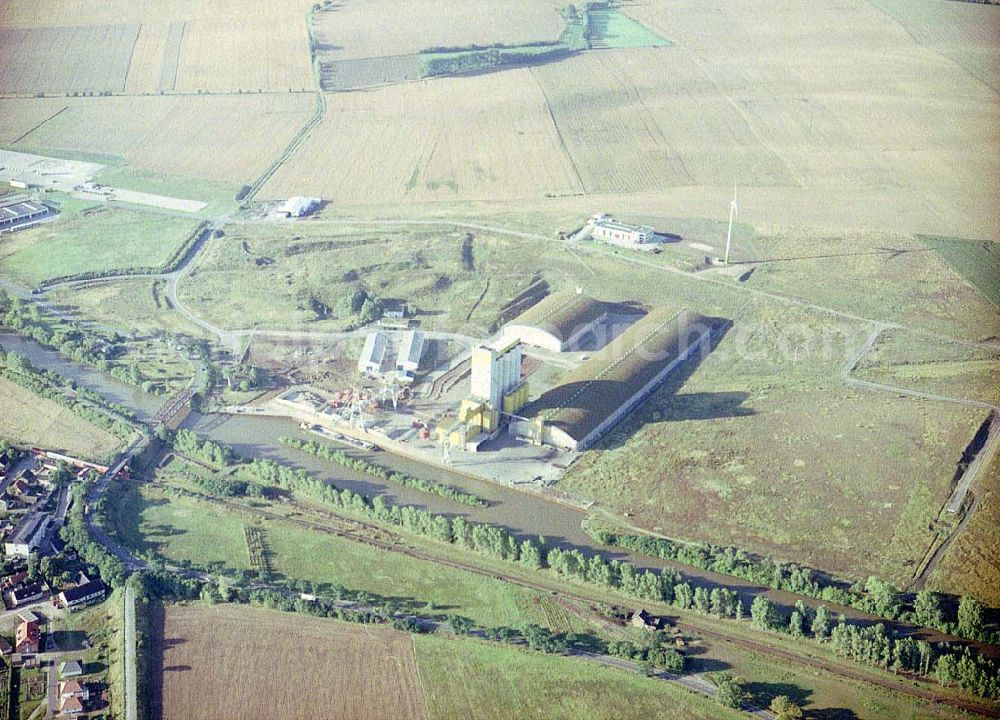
(71, 706)
(73, 689)
(27, 638)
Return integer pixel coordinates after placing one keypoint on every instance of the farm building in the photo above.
(296, 207)
(612, 382)
(642, 619)
(557, 322)
(408, 358)
(607, 229)
(28, 535)
(373, 353)
(20, 212)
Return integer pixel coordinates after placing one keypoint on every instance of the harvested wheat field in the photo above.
(229, 661)
(249, 55)
(31, 13)
(93, 58)
(812, 86)
(228, 138)
(28, 419)
(484, 137)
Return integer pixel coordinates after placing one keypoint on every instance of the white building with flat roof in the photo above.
(607, 229)
(373, 353)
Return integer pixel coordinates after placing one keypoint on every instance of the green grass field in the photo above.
(471, 679)
(882, 276)
(258, 275)
(976, 261)
(179, 529)
(129, 304)
(615, 29)
(820, 693)
(218, 196)
(93, 239)
(971, 564)
(933, 365)
(761, 446)
(185, 529)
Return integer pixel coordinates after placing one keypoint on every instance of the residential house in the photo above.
(71, 706)
(27, 638)
(82, 595)
(27, 594)
(73, 689)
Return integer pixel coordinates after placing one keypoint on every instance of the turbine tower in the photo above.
(733, 212)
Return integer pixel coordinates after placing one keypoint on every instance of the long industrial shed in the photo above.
(613, 382)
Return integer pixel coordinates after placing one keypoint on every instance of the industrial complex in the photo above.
(556, 378)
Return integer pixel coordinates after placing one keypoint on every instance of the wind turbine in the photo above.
(733, 212)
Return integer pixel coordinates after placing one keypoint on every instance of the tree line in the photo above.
(874, 596)
(75, 533)
(334, 455)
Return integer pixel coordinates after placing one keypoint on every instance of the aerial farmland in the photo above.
(377, 359)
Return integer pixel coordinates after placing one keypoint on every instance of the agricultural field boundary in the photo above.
(302, 134)
(171, 57)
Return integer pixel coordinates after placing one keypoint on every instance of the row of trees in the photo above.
(187, 442)
(874, 596)
(878, 646)
(76, 534)
(652, 654)
(72, 340)
(88, 405)
(360, 464)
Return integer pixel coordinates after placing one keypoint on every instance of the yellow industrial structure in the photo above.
(495, 389)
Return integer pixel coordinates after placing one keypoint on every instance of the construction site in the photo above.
(518, 407)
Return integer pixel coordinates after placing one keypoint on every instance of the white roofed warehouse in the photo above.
(20, 212)
(296, 207)
(410, 350)
(604, 228)
(373, 354)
